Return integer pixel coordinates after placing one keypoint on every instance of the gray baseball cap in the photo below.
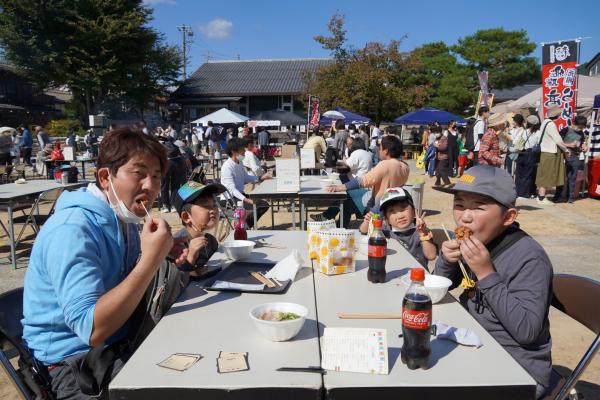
(488, 181)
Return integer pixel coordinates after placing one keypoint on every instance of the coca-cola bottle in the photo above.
(416, 323)
(377, 254)
(239, 222)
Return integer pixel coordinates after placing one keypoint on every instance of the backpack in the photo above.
(331, 157)
(469, 143)
(214, 135)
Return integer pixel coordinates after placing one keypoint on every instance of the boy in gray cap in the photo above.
(512, 272)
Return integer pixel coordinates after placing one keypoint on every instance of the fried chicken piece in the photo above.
(462, 233)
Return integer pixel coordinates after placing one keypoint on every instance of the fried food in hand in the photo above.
(462, 233)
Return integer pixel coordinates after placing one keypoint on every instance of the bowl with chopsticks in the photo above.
(436, 286)
(279, 321)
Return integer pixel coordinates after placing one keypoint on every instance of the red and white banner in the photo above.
(559, 79)
(314, 112)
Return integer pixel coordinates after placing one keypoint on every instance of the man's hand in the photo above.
(266, 175)
(477, 256)
(333, 189)
(368, 216)
(451, 250)
(248, 200)
(195, 245)
(156, 240)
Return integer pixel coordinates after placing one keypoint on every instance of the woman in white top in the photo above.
(360, 161)
(510, 138)
(551, 168)
(523, 141)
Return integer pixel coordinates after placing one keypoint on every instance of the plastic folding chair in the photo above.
(34, 218)
(25, 378)
(578, 297)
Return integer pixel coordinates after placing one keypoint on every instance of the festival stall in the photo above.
(222, 116)
(348, 116)
(426, 116)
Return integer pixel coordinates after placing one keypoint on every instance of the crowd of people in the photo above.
(90, 296)
(535, 153)
(83, 307)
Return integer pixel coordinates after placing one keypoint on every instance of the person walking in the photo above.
(27, 145)
(527, 160)
(551, 169)
(452, 135)
(574, 139)
(174, 177)
(516, 133)
(489, 149)
(442, 167)
(479, 129)
(341, 135)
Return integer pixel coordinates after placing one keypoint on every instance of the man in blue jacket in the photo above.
(89, 266)
(26, 145)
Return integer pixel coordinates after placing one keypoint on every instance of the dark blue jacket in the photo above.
(27, 139)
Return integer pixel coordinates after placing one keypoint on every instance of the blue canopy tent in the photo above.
(426, 116)
(349, 118)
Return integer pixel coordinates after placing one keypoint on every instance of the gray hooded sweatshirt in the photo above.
(513, 303)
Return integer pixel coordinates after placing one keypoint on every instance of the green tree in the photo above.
(504, 54)
(157, 71)
(366, 80)
(96, 47)
(448, 84)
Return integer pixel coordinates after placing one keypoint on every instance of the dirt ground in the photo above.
(568, 232)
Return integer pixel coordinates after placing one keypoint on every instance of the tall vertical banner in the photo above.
(485, 97)
(314, 112)
(559, 79)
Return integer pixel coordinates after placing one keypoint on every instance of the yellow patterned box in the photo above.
(314, 243)
(336, 252)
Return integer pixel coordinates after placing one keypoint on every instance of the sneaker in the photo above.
(522, 198)
(544, 202)
(173, 210)
(164, 210)
(318, 217)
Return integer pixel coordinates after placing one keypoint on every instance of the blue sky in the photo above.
(285, 29)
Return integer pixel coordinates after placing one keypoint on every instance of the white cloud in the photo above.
(218, 28)
(155, 2)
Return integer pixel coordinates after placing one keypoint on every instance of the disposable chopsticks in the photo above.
(263, 279)
(369, 316)
(460, 264)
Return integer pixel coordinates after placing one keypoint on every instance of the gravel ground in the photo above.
(568, 232)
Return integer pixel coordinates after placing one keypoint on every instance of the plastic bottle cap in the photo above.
(417, 274)
(377, 223)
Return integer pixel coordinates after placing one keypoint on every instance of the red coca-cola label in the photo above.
(416, 319)
(376, 251)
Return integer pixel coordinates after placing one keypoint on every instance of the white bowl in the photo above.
(279, 331)
(238, 249)
(436, 286)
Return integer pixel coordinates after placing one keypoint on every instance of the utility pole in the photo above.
(187, 32)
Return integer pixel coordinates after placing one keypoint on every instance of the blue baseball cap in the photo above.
(191, 190)
(488, 181)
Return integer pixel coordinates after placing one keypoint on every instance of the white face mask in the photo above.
(123, 213)
(240, 158)
(408, 228)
